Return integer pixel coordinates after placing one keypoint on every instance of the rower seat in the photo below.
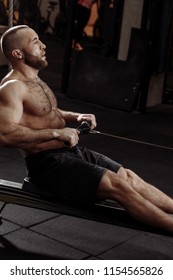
(30, 187)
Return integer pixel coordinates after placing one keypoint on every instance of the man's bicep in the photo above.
(8, 119)
(11, 110)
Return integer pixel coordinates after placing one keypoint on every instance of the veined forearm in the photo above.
(22, 136)
(69, 116)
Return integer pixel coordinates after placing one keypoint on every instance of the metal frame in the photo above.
(106, 211)
(12, 192)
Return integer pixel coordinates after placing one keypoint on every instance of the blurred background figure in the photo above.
(83, 12)
(3, 14)
(61, 19)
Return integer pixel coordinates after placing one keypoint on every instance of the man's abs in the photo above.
(51, 120)
(53, 144)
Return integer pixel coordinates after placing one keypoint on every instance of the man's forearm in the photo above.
(22, 135)
(69, 116)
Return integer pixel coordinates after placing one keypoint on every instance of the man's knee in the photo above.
(131, 177)
(113, 186)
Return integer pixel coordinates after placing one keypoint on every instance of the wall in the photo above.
(132, 15)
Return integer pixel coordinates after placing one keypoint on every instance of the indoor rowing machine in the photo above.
(84, 128)
(30, 195)
(105, 211)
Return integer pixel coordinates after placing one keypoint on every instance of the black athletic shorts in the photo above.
(73, 174)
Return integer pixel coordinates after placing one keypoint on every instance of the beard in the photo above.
(35, 62)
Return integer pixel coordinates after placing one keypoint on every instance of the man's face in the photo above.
(33, 50)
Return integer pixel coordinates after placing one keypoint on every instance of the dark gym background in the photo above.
(125, 79)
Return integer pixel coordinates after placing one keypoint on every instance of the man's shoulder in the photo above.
(8, 82)
(12, 78)
(11, 88)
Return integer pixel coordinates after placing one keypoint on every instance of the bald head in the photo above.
(22, 47)
(12, 39)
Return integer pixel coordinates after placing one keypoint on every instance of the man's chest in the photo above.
(40, 99)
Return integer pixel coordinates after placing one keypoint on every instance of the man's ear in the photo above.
(17, 53)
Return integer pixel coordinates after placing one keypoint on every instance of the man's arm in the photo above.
(78, 117)
(13, 133)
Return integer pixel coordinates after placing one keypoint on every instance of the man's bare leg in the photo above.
(151, 193)
(113, 186)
